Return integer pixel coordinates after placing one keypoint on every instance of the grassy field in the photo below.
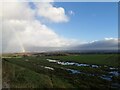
(30, 72)
(19, 77)
(100, 59)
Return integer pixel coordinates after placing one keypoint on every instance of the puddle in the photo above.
(108, 78)
(46, 67)
(79, 64)
(73, 71)
(105, 77)
(84, 65)
(66, 63)
(70, 63)
(49, 68)
(114, 73)
(111, 68)
(94, 66)
(50, 60)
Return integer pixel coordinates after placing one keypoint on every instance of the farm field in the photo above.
(54, 44)
(83, 71)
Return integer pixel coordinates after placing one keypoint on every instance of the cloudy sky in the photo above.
(29, 25)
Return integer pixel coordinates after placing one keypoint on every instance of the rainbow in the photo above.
(20, 43)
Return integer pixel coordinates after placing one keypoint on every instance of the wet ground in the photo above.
(112, 71)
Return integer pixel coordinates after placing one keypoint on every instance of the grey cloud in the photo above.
(106, 44)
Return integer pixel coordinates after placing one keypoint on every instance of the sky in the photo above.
(89, 21)
(30, 26)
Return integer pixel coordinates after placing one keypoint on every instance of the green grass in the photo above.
(20, 77)
(25, 72)
(99, 59)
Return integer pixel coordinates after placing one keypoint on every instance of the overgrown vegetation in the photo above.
(30, 72)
